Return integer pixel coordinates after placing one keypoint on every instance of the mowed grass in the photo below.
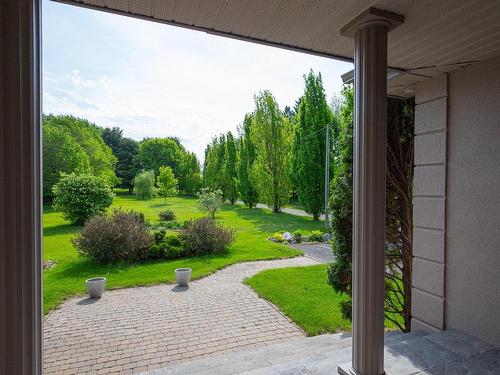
(302, 294)
(252, 227)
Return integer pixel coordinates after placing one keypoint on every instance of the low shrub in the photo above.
(277, 237)
(173, 224)
(119, 236)
(79, 197)
(166, 245)
(316, 236)
(205, 236)
(167, 215)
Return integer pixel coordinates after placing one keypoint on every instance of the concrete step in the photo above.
(448, 352)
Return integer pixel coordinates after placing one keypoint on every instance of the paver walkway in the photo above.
(322, 252)
(137, 329)
(287, 210)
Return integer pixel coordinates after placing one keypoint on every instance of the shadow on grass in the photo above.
(268, 221)
(60, 229)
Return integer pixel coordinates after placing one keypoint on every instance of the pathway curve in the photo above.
(138, 329)
(287, 210)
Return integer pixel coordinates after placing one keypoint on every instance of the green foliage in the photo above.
(277, 237)
(210, 201)
(307, 165)
(79, 197)
(246, 186)
(190, 177)
(230, 162)
(120, 236)
(124, 149)
(61, 154)
(144, 185)
(167, 215)
(204, 236)
(169, 224)
(154, 153)
(166, 245)
(316, 236)
(339, 272)
(271, 134)
(89, 137)
(167, 183)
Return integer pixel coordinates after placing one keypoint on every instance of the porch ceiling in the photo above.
(437, 35)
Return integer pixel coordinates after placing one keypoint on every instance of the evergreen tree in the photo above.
(246, 186)
(230, 172)
(308, 149)
(271, 134)
(340, 272)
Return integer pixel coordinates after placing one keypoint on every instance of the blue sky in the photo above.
(153, 80)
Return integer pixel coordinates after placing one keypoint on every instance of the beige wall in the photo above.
(472, 283)
(429, 204)
(456, 267)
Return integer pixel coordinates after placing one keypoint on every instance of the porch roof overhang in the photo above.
(437, 35)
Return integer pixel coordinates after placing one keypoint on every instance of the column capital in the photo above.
(372, 16)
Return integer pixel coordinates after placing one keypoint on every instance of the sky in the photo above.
(155, 80)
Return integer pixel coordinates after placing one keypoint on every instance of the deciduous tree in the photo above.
(246, 185)
(167, 183)
(309, 143)
(271, 135)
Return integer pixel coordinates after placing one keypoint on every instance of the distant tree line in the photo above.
(73, 145)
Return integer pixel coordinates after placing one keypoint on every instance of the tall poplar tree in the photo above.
(230, 172)
(246, 185)
(271, 135)
(309, 144)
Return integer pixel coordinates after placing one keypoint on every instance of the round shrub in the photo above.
(205, 236)
(119, 236)
(79, 197)
(167, 215)
(166, 245)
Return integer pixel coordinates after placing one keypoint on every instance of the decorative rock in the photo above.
(287, 236)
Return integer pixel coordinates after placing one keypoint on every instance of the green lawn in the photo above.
(303, 294)
(252, 226)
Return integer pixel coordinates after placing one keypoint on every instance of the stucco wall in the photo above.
(472, 276)
(429, 200)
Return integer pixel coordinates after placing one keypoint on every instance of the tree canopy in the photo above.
(124, 149)
(76, 136)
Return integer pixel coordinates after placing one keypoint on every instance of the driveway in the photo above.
(322, 252)
(138, 329)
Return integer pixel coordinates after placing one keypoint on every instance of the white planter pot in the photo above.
(95, 286)
(182, 276)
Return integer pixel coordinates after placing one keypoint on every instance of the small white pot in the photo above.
(95, 286)
(182, 276)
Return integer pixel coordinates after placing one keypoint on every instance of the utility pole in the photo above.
(327, 181)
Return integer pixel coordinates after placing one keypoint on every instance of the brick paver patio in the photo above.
(138, 329)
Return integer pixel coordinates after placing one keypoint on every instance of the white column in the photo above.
(20, 205)
(370, 121)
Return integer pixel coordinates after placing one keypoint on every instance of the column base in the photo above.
(346, 369)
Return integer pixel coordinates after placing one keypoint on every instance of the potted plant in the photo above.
(182, 276)
(297, 236)
(95, 286)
